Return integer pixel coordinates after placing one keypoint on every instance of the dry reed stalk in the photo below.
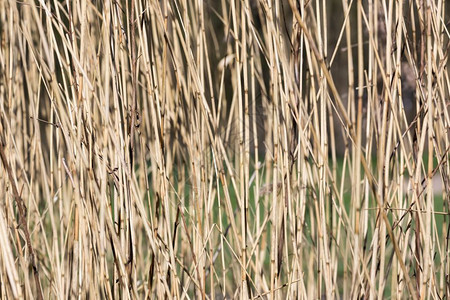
(238, 149)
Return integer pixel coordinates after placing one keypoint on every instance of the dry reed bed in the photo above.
(191, 149)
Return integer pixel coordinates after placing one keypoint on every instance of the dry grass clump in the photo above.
(204, 149)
